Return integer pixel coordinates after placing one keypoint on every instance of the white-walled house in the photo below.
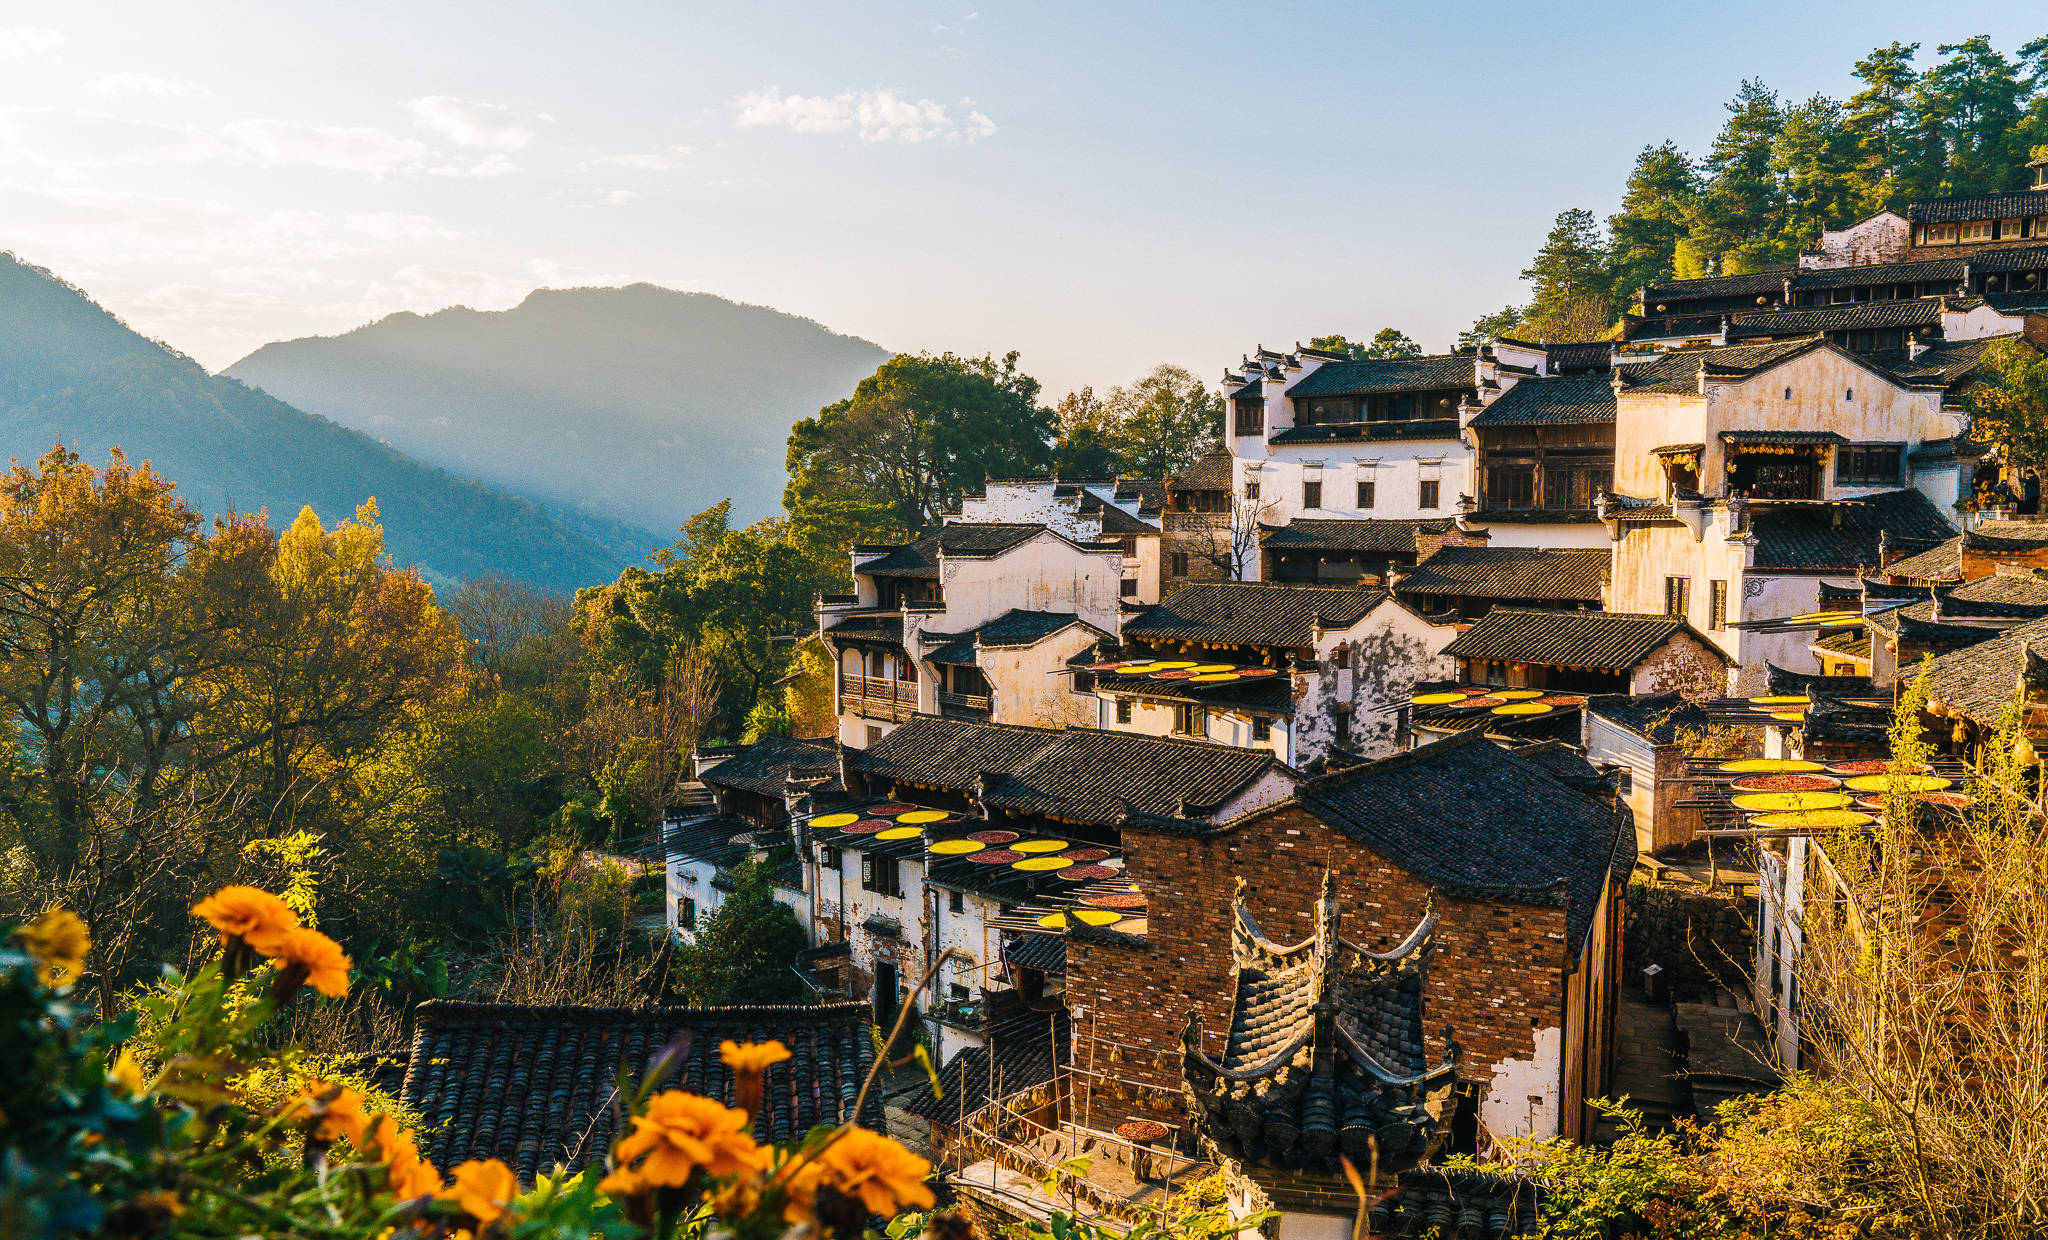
(1748, 477)
(1124, 511)
(1021, 595)
(1312, 669)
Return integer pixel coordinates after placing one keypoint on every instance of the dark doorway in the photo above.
(886, 983)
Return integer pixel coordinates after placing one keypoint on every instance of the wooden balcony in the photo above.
(876, 697)
(964, 705)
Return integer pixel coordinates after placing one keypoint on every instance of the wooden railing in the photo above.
(876, 697)
(972, 704)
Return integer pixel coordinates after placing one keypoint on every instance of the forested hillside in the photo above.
(1961, 120)
(641, 403)
(70, 371)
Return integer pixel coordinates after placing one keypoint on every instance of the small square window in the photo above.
(956, 902)
(1428, 498)
(1180, 563)
(1123, 710)
(1311, 495)
(687, 915)
(1367, 492)
(1251, 489)
(1262, 729)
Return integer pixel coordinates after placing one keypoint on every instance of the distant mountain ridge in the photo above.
(641, 403)
(71, 371)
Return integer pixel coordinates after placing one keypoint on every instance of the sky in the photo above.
(1100, 186)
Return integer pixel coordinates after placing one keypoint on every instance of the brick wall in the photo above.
(1497, 975)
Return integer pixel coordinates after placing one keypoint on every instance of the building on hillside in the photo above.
(1748, 478)
(1584, 652)
(532, 1086)
(1542, 452)
(1352, 551)
(1468, 582)
(1209, 525)
(898, 891)
(746, 820)
(1123, 511)
(1513, 861)
(1641, 737)
(1025, 596)
(1303, 671)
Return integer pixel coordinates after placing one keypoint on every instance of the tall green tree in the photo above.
(1657, 210)
(1815, 158)
(1387, 342)
(1086, 447)
(2008, 403)
(1165, 421)
(1569, 281)
(1501, 322)
(1880, 122)
(1977, 98)
(1740, 225)
(743, 953)
(914, 437)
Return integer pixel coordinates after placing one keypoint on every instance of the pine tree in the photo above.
(1570, 290)
(1657, 209)
(1743, 208)
(1880, 123)
(1814, 157)
(1979, 98)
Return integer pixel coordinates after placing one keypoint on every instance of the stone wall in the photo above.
(1704, 939)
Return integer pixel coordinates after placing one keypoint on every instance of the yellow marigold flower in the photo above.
(336, 1111)
(885, 1176)
(413, 1177)
(309, 956)
(58, 943)
(752, 1056)
(125, 1076)
(680, 1133)
(625, 1182)
(738, 1199)
(482, 1189)
(250, 914)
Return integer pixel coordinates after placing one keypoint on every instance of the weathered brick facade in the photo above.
(1498, 974)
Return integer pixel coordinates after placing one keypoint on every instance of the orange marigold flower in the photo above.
(752, 1056)
(482, 1189)
(250, 914)
(413, 1177)
(336, 1111)
(884, 1175)
(58, 943)
(309, 956)
(625, 1182)
(680, 1133)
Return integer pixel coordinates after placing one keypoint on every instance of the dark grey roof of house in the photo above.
(1369, 432)
(1978, 207)
(1509, 572)
(1602, 639)
(1014, 628)
(2017, 536)
(886, 629)
(1149, 492)
(1114, 520)
(1943, 562)
(1978, 681)
(719, 840)
(2011, 590)
(1359, 534)
(1028, 1049)
(2031, 257)
(1775, 436)
(1265, 694)
(1077, 774)
(1771, 280)
(1244, 613)
(1467, 815)
(1656, 718)
(765, 765)
(1552, 402)
(1941, 363)
(1405, 374)
(1580, 356)
(1248, 391)
(1046, 953)
(1210, 472)
(1840, 535)
(1679, 370)
(532, 1085)
(962, 540)
(1850, 316)
(1917, 271)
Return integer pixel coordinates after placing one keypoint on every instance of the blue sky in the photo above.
(1103, 187)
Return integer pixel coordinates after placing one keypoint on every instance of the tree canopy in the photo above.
(1386, 342)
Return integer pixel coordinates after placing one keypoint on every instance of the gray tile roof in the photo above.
(532, 1085)
(962, 540)
(1978, 207)
(1243, 613)
(1769, 281)
(1408, 374)
(886, 629)
(1211, 472)
(1580, 357)
(1014, 628)
(1612, 640)
(1656, 718)
(1941, 363)
(1470, 816)
(1918, 271)
(1358, 534)
(1028, 1048)
(2025, 257)
(1851, 316)
(1977, 681)
(1679, 371)
(2014, 536)
(1509, 573)
(1552, 402)
(1943, 562)
(1077, 774)
(1842, 535)
(764, 766)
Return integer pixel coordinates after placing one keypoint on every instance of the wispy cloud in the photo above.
(466, 122)
(345, 148)
(664, 159)
(871, 115)
(155, 86)
(27, 42)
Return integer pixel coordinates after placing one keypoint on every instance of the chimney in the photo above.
(1913, 346)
